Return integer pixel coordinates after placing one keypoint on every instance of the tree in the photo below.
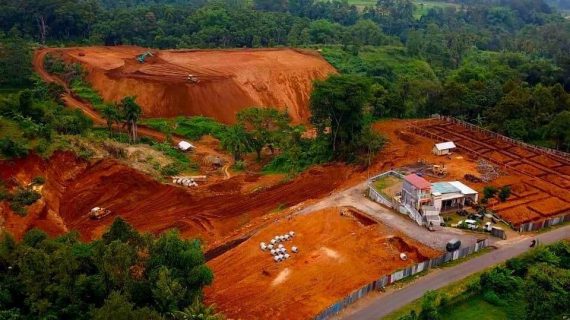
(559, 130)
(111, 115)
(338, 103)
(430, 306)
(504, 193)
(489, 192)
(236, 140)
(197, 310)
(130, 113)
(265, 126)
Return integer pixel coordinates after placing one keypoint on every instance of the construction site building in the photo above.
(444, 148)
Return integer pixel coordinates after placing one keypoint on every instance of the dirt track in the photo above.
(337, 254)
(226, 80)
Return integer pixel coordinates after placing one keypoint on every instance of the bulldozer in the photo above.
(142, 57)
(439, 170)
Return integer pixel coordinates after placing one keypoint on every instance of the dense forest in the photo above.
(502, 64)
(124, 275)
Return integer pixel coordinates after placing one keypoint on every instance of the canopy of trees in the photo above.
(125, 275)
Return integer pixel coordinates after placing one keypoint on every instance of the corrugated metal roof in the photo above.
(445, 145)
(444, 187)
(417, 181)
(463, 188)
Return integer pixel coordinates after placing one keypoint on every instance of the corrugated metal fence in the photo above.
(533, 226)
(396, 276)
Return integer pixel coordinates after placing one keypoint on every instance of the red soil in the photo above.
(211, 212)
(229, 80)
(533, 178)
(550, 206)
(337, 255)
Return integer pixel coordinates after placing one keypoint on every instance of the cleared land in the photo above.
(539, 181)
(337, 254)
(226, 80)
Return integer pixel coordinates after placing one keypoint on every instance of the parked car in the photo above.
(453, 245)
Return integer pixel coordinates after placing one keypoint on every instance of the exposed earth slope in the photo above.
(223, 81)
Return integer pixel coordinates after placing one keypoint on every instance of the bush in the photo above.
(39, 180)
(173, 169)
(26, 196)
(12, 149)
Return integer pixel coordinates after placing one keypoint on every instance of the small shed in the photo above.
(443, 148)
(185, 146)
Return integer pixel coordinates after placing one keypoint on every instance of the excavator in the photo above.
(142, 58)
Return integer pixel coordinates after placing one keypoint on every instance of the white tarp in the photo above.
(445, 145)
(184, 145)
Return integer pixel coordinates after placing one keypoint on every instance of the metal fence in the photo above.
(533, 226)
(396, 276)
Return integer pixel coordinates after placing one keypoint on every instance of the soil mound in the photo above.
(213, 83)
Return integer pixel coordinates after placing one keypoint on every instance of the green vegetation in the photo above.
(124, 275)
(386, 182)
(532, 286)
(192, 128)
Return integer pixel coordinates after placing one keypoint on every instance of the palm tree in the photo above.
(111, 115)
(236, 140)
(131, 113)
(198, 311)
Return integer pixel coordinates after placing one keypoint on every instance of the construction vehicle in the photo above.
(142, 58)
(192, 78)
(99, 213)
(437, 170)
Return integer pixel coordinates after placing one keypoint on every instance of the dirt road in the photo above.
(354, 197)
(396, 299)
(72, 101)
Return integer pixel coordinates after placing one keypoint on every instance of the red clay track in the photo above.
(542, 188)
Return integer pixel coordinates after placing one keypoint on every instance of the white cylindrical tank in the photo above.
(280, 246)
(292, 233)
(276, 259)
(295, 249)
(287, 237)
(263, 246)
(270, 246)
(273, 241)
(286, 256)
(273, 251)
(280, 257)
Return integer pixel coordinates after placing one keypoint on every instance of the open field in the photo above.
(539, 181)
(335, 257)
(226, 80)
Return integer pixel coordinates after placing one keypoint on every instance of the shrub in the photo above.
(12, 149)
(39, 180)
(173, 169)
(26, 196)
(504, 193)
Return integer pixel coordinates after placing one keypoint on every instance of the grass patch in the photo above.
(474, 308)
(190, 127)
(87, 93)
(385, 185)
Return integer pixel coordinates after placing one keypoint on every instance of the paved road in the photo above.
(396, 299)
(353, 197)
